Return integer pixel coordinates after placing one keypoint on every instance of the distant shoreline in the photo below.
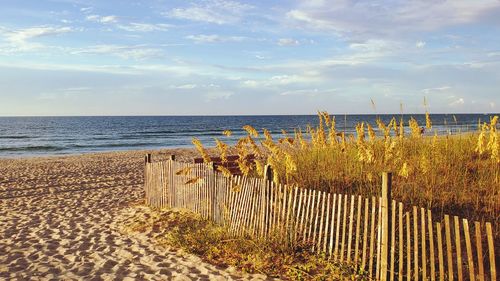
(246, 115)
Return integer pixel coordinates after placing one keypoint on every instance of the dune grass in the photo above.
(450, 174)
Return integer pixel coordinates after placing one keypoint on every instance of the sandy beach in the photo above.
(61, 218)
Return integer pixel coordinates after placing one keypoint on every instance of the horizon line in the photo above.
(247, 115)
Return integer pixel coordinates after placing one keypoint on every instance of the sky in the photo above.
(225, 57)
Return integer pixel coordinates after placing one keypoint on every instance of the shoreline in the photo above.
(166, 151)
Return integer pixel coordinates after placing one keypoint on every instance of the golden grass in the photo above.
(456, 175)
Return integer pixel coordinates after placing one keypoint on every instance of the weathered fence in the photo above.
(377, 235)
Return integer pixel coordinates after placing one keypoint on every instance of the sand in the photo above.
(61, 219)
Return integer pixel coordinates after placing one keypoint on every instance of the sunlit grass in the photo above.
(456, 175)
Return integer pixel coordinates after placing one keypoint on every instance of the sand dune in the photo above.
(61, 218)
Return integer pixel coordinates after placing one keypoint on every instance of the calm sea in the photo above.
(31, 136)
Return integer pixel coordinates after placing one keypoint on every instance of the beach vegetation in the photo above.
(450, 174)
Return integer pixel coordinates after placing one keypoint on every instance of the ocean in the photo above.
(43, 136)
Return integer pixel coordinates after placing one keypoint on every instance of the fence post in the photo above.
(172, 157)
(146, 180)
(386, 225)
(149, 158)
(268, 172)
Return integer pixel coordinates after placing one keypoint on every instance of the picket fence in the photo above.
(380, 237)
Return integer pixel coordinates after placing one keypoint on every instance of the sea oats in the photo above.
(251, 131)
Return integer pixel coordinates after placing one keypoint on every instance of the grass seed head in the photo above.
(251, 131)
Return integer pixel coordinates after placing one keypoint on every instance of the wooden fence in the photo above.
(377, 235)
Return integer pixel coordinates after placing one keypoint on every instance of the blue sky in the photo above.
(75, 57)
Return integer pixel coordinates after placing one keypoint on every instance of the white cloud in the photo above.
(19, 40)
(420, 44)
(22, 35)
(211, 96)
(137, 69)
(86, 9)
(260, 57)
(213, 38)
(457, 102)
(211, 11)
(436, 89)
(186, 87)
(373, 46)
(376, 18)
(137, 52)
(283, 80)
(95, 18)
(307, 92)
(102, 19)
(288, 42)
(144, 27)
(109, 19)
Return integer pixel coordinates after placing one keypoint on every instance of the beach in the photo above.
(61, 218)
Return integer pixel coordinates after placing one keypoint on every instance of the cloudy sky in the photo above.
(90, 57)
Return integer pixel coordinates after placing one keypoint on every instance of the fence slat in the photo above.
(365, 234)
(408, 247)
(319, 195)
(358, 224)
(254, 220)
(292, 213)
(379, 239)
(468, 248)
(372, 238)
(321, 223)
(393, 240)
(279, 198)
(458, 248)
(423, 245)
(415, 243)
(431, 245)
(479, 250)
(344, 222)
(491, 251)
(400, 230)
(231, 201)
(303, 211)
(349, 236)
(440, 251)
(267, 210)
(298, 213)
(448, 247)
(311, 217)
(284, 208)
(241, 201)
(337, 232)
(253, 212)
(236, 190)
(332, 224)
(307, 214)
(327, 221)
